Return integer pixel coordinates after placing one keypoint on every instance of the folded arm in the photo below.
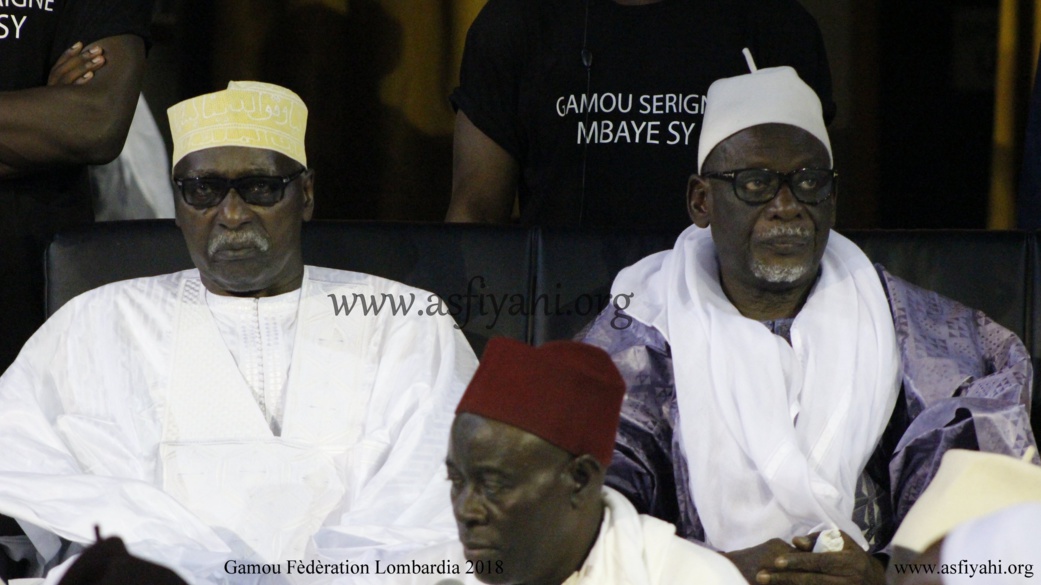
(73, 123)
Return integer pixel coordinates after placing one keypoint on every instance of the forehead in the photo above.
(480, 442)
(775, 146)
(233, 161)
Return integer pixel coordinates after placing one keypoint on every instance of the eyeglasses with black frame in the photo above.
(758, 186)
(262, 191)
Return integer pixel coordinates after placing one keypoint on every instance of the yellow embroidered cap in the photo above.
(248, 113)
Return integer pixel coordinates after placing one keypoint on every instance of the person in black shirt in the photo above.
(590, 110)
(72, 71)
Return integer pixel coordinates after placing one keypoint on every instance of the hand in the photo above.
(759, 559)
(851, 566)
(77, 65)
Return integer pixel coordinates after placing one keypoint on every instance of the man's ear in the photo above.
(308, 192)
(699, 205)
(587, 477)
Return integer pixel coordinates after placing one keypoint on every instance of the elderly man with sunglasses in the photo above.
(225, 419)
(784, 394)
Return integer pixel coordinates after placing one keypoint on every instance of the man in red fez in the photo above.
(531, 441)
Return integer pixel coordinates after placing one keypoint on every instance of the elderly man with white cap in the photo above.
(779, 384)
(226, 417)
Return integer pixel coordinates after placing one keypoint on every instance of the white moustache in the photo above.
(249, 238)
(783, 231)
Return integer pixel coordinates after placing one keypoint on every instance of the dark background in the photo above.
(914, 83)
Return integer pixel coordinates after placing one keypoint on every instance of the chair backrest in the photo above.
(542, 284)
(990, 271)
(445, 259)
(85, 258)
(573, 273)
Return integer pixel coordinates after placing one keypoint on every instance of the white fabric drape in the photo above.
(631, 549)
(775, 435)
(636, 549)
(86, 413)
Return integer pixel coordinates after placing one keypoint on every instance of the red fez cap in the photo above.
(565, 392)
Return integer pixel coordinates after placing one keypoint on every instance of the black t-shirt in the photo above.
(33, 35)
(629, 131)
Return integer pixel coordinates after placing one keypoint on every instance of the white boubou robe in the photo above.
(631, 549)
(775, 435)
(128, 411)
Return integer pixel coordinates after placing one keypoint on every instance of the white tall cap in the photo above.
(765, 96)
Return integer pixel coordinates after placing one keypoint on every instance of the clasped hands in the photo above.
(775, 562)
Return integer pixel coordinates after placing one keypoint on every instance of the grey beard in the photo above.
(778, 274)
(781, 274)
(238, 239)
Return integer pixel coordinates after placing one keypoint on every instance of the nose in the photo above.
(232, 211)
(785, 206)
(468, 508)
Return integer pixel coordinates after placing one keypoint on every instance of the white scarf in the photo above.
(635, 549)
(754, 475)
(620, 554)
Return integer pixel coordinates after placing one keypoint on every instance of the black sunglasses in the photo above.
(206, 192)
(758, 186)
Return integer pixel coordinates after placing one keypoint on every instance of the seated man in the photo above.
(227, 413)
(809, 391)
(529, 447)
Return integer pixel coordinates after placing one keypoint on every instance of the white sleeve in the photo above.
(52, 491)
(424, 366)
